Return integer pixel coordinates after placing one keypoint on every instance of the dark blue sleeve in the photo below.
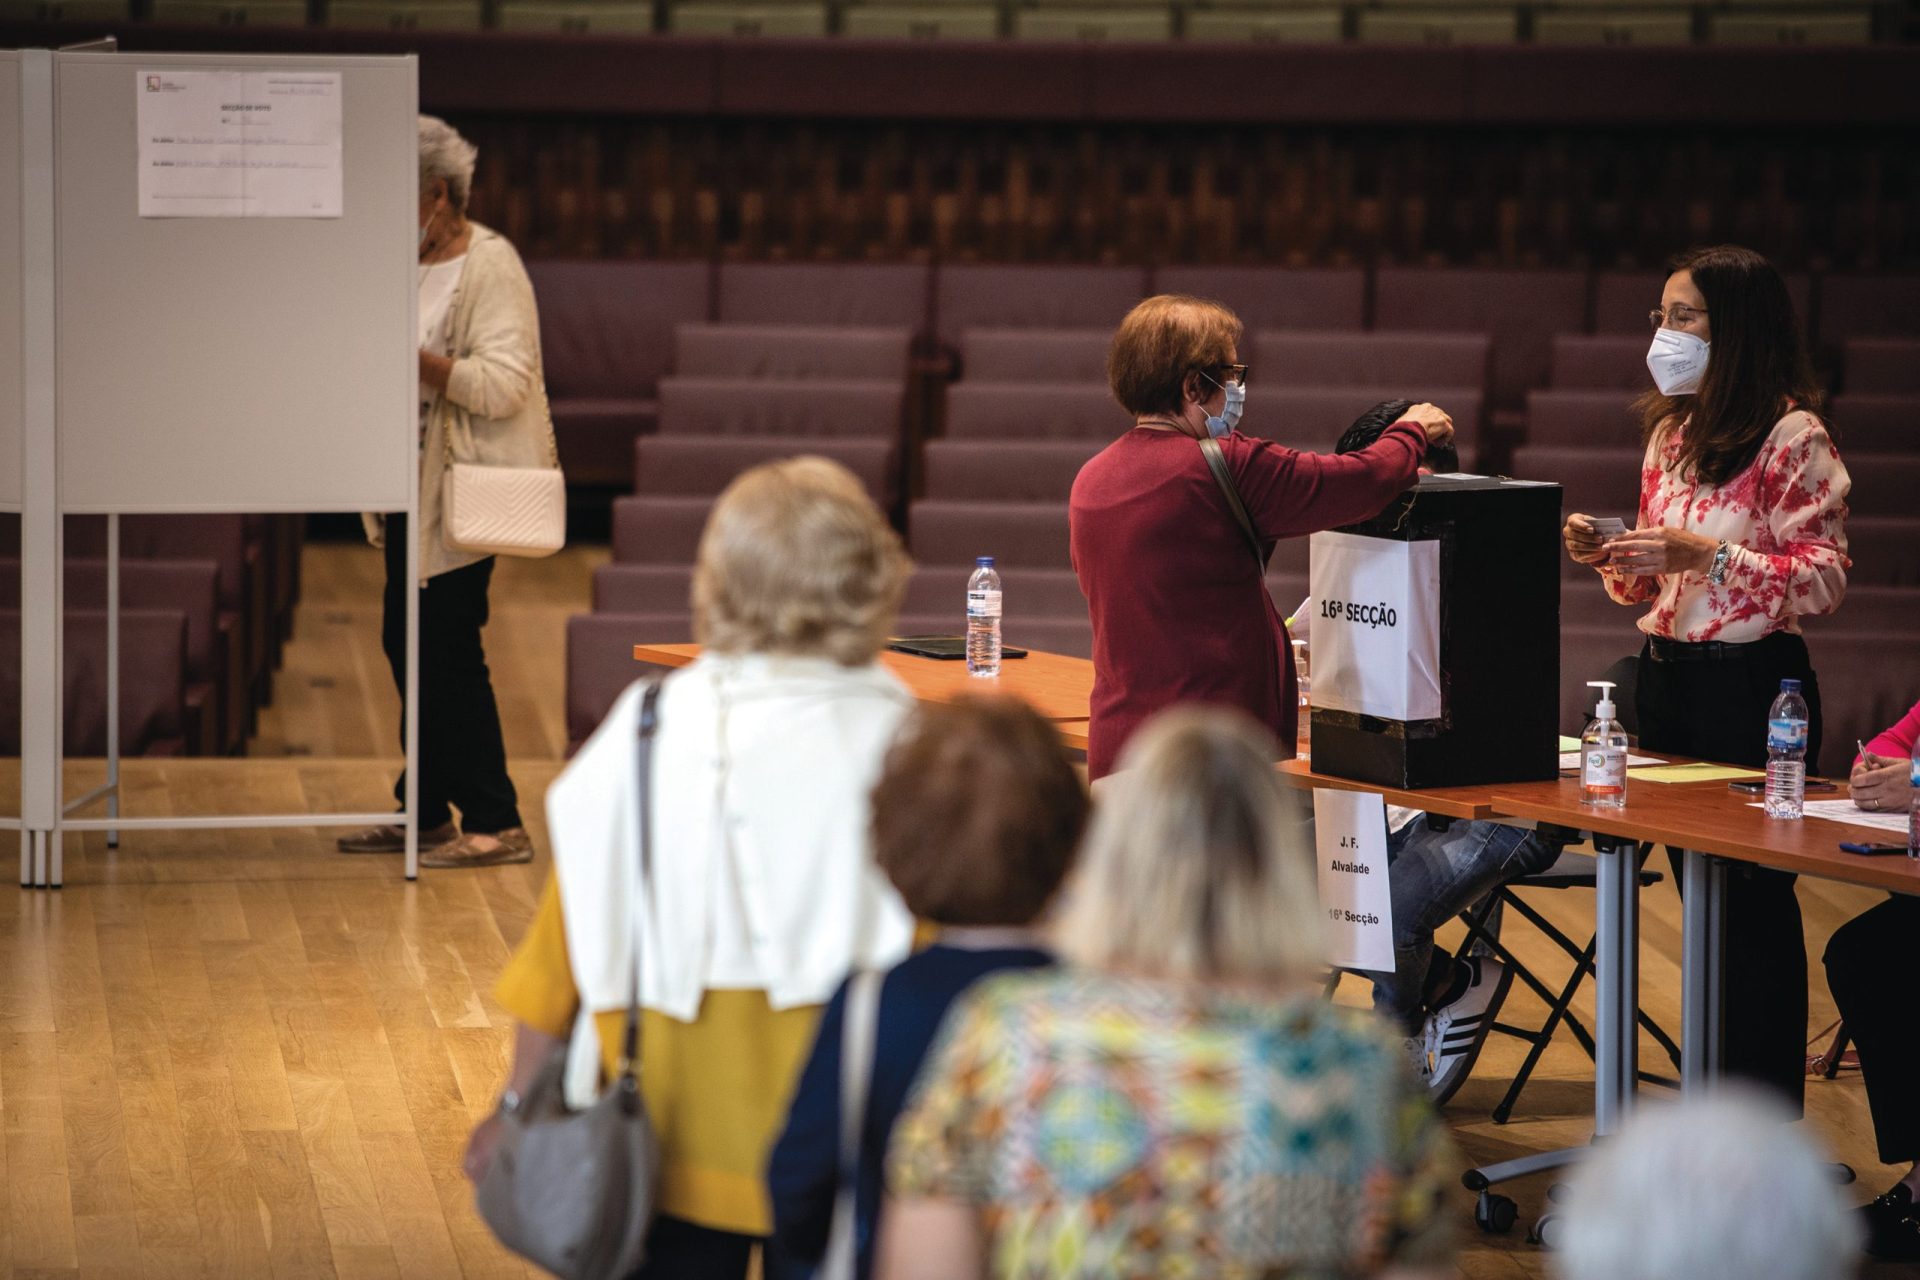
(803, 1172)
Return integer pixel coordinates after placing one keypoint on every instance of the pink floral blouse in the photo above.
(1784, 519)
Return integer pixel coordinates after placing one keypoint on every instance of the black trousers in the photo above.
(463, 758)
(1869, 960)
(1718, 710)
(681, 1250)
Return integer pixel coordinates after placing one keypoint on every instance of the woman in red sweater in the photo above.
(1178, 600)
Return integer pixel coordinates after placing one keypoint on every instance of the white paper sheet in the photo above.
(1376, 626)
(239, 144)
(1350, 835)
(1570, 761)
(1847, 811)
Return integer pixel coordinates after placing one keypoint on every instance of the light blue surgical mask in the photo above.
(1229, 416)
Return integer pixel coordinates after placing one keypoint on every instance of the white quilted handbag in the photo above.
(503, 511)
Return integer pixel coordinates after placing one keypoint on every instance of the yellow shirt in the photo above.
(717, 1088)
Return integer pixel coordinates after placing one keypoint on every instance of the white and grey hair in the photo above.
(445, 154)
(1720, 1188)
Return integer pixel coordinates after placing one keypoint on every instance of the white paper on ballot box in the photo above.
(239, 144)
(1350, 841)
(1376, 626)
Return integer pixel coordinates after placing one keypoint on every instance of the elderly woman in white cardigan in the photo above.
(483, 399)
(762, 892)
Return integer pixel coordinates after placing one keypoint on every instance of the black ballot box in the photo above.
(1435, 637)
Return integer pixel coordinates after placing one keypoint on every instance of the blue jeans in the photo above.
(1434, 876)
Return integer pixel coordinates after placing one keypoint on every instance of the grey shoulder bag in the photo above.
(1217, 463)
(573, 1190)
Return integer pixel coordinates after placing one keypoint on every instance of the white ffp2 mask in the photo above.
(1677, 361)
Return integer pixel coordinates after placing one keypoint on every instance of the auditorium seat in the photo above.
(939, 591)
(1865, 685)
(1882, 366)
(656, 529)
(1440, 27)
(1586, 651)
(592, 17)
(643, 588)
(1884, 484)
(1882, 550)
(1268, 26)
(853, 294)
(1410, 360)
(1006, 470)
(1069, 22)
(1871, 606)
(1020, 535)
(405, 15)
(606, 338)
(1599, 362)
(1033, 410)
(152, 710)
(1314, 418)
(600, 661)
(1581, 419)
(1035, 355)
(838, 407)
(1622, 299)
(980, 296)
(1519, 311)
(1872, 305)
(696, 466)
(790, 351)
(703, 18)
(65, 11)
(1875, 423)
(920, 22)
(1324, 299)
(231, 13)
(1762, 27)
(1613, 27)
(1599, 482)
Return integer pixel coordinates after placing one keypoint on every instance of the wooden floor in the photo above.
(241, 1054)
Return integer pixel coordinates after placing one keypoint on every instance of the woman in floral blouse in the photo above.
(1741, 533)
(1178, 1099)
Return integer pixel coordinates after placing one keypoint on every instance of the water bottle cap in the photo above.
(984, 562)
(1789, 686)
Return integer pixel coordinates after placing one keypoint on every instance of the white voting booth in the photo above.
(226, 324)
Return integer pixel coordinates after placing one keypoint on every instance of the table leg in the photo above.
(1616, 981)
(1702, 948)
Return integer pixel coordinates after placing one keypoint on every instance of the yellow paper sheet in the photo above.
(1692, 773)
(1569, 744)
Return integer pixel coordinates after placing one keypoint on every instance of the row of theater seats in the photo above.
(810, 359)
(206, 603)
(1651, 23)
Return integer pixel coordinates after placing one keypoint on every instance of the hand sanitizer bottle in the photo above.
(1603, 755)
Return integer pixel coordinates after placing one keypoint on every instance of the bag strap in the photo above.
(860, 1017)
(649, 727)
(1217, 463)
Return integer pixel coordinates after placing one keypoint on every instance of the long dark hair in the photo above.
(1758, 367)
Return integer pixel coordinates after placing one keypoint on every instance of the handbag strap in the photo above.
(649, 727)
(1217, 463)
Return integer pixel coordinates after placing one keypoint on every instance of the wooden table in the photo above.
(1469, 804)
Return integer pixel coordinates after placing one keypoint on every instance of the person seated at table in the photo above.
(1867, 960)
(1176, 1098)
(1714, 1188)
(1445, 1007)
(976, 818)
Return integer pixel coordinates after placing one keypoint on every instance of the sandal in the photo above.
(503, 849)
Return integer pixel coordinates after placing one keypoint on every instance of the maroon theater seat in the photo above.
(1865, 685)
(1884, 484)
(782, 407)
(1019, 535)
(790, 351)
(1600, 362)
(695, 465)
(152, 710)
(1036, 355)
(1370, 360)
(1882, 366)
(971, 296)
(940, 590)
(1324, 298)
(855, 293)
(1586, 651)
(1581, 419)
(600, 661)
(1006, 470)
(1314, 418)
(1622, 299)
(1599, 482)
(651, 529)
(1033, 411)
(1878, 305)
(643, 588)
(1871, 607)
(1875, 423)
(1070, 636)
(1519, 310)
(606, 337)
(1883, 550)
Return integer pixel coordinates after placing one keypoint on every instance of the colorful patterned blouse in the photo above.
(1118, 1127)
(1784, 519)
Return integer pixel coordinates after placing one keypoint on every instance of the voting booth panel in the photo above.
(1436, 637)
(12, 272)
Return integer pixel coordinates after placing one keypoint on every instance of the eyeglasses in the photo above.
(1679, 316)
(1231, 375)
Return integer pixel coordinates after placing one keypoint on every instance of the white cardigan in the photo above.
(768, 760)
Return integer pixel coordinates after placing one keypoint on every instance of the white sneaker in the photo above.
(1455, 1032)
(1419, 1060)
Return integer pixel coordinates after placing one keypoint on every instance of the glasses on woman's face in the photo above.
(1233, 375)
(1677, 316)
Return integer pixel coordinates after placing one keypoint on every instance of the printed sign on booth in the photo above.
(1350, 838)
(1376, 626)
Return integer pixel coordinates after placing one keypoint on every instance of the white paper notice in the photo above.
(1376, 626)
(239, 144)
(1350, 836)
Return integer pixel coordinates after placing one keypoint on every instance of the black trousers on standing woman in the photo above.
(463, 758)
(1712, 701)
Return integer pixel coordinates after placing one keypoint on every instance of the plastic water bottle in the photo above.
(983, 620)
(1787, 753)
(1603, 754)
(1913, 803)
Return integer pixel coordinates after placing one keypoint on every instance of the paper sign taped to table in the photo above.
(239, 144)
(1350, 837)
(1376, 626)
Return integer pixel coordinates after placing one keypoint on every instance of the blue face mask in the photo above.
(1229, 416)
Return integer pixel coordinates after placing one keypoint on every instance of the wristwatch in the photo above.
(1717, 573)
